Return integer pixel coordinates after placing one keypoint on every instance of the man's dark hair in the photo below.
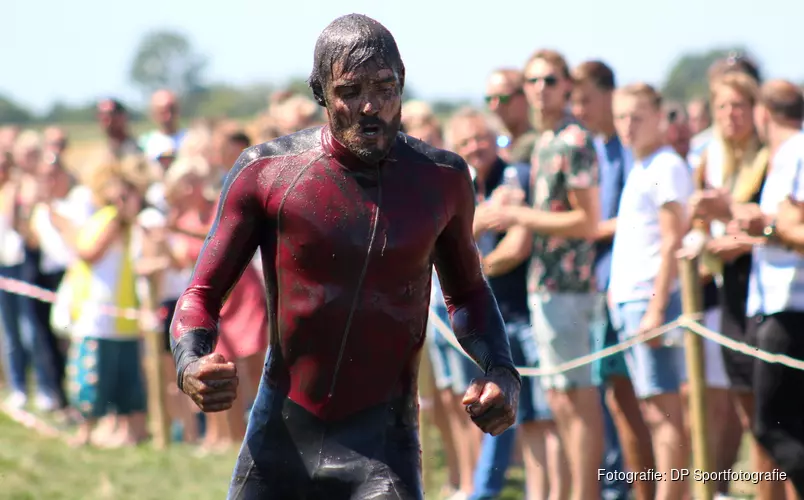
(784, 99)
(597, 73)
(240, 138)
(352, 41)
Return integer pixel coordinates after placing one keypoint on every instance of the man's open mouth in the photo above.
(370, 130)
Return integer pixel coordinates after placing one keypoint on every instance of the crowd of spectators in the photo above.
(588, 191)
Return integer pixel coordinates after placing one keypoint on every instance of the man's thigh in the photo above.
(561, 323)
(604, 336)
(653, 370)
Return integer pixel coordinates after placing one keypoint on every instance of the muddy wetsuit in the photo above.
(348, 250)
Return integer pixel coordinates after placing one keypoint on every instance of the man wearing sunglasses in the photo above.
(563, 220)
(505, 97)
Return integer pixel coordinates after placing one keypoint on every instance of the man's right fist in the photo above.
(211, 382)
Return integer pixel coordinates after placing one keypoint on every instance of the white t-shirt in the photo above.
(661, 178)
(56, 254)
(777, 275)
(12, 248)
(174, 281)
(81, 204)
(155, 196)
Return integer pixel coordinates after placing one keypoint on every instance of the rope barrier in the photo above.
(684, 321)
(740, 347)
(19, 287)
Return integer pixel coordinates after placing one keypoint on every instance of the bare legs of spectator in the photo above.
(665, 419)
(440, 417)
(634, 435)
(760, 460)
(84, 435)
(179, 406)
(547, 476)
(732, 439)
(716, 406)
(578, 419)
(464, 438)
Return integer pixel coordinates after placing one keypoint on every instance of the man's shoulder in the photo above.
(295, 144)
(258, 160)
(574, 136)
(667, 159)
(418, 151)
(569, 137)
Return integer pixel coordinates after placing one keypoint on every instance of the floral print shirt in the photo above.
(564, 159)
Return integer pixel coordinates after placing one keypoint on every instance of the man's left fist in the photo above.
(492, 401)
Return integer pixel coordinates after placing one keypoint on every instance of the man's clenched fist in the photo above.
(492, 401)
(211, 382)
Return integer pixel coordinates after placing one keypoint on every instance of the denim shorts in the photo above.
(451, 368)
(603, 336)
(562, 325)
(653, 370)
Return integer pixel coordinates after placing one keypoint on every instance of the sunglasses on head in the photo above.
(503, 98)
(549, 80)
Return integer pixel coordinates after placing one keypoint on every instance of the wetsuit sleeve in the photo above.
(473, 310)
(228, 249)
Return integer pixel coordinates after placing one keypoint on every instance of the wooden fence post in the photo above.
(692, 303)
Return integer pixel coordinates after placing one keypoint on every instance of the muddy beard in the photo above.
(372, 154)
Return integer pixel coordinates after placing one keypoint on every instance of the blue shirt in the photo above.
(614, 163)
(510, 289)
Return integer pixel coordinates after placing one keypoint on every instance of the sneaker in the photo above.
(17, 400)
(46, 403)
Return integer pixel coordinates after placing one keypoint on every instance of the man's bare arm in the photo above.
(606, 230)
(672, 229)
(579, 222)
(515, 247)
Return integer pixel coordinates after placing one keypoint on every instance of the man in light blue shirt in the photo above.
(776, 283)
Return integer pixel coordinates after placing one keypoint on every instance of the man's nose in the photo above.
(494, 104)
(370, 106)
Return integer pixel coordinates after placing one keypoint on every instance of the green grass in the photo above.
(33, 467)
(36, 468)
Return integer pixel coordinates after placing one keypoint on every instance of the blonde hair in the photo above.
(741, 83)
(27, 140)
(740, 161)
(642, 89)
(197, 141)
(134, 170)
(415, 113)
(184, 168)
(553, 58)
(491, 122)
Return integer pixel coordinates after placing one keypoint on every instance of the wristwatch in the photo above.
(770, 232)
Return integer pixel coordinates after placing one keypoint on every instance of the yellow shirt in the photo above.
(108, 281)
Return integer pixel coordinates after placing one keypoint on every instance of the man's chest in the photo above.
(549, 169)
(637, 198)
(334, 217)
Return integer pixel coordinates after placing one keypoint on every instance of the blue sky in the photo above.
(78, 50)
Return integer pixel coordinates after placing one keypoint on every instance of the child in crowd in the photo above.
(104, 368)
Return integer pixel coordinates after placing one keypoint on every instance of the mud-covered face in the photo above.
(365, 110)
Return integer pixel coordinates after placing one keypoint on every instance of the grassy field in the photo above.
(33, 467)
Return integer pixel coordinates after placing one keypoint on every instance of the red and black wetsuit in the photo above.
(347, 250)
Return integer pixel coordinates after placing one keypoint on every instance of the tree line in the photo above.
(167, 59)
